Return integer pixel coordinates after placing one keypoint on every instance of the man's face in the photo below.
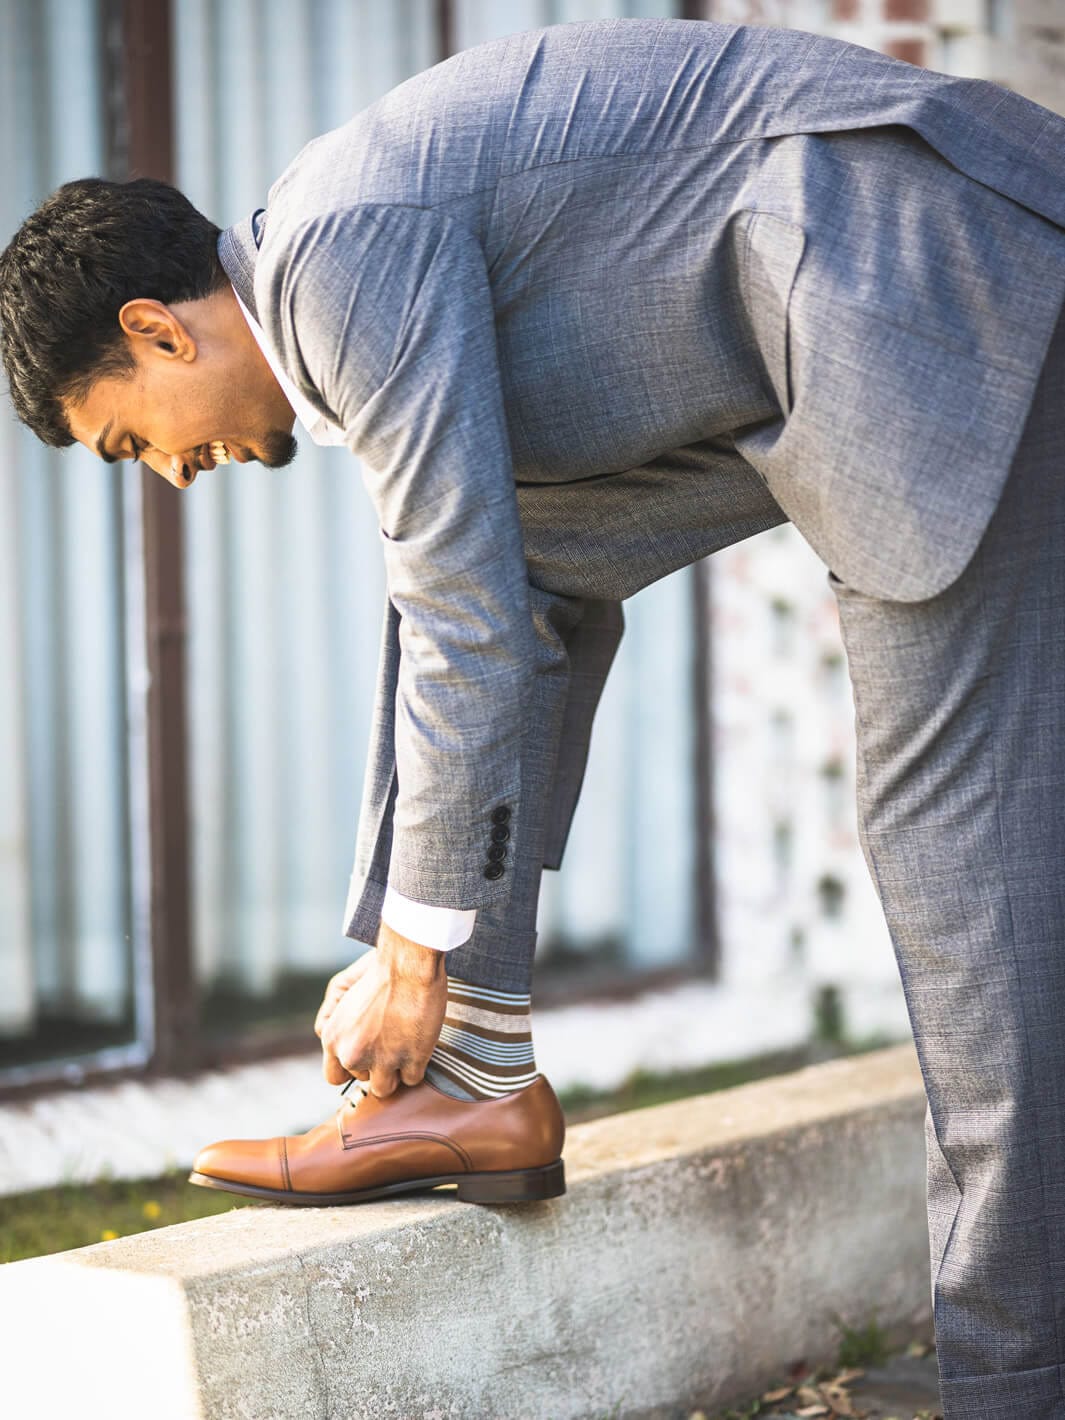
(186, 392)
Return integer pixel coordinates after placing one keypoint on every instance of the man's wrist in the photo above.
(406, 958)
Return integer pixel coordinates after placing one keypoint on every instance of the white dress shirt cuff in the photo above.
(441, 928)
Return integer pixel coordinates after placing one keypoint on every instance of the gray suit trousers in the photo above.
(960, 729)
(960, 720)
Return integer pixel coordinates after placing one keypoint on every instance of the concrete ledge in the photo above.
(140, 1128)
(702, 1246)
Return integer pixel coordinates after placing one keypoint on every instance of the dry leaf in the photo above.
(838, 1398)
(772, 1395)
(813, 1410)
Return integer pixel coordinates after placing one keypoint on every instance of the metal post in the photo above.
(445, 30)
(707, 942)
(141, 142)
(707, 938)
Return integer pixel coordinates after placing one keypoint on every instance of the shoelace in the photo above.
(362, 1091)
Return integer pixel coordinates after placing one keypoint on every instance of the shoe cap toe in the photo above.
(253, 1161)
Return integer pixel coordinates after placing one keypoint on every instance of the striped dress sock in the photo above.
(485, 1047)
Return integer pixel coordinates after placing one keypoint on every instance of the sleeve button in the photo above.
(494, 870)
(501, 814)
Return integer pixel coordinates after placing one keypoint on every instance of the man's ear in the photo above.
(157, 329)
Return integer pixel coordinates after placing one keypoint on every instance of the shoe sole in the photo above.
(505, 1186)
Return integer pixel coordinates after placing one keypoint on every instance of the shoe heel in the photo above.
(516, 1186)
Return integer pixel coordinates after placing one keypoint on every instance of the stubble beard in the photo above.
(279, 448)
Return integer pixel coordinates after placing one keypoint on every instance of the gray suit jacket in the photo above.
(594, 300)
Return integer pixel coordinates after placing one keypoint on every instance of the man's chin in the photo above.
(275, 450)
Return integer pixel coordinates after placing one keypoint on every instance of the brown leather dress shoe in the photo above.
(503, 1150)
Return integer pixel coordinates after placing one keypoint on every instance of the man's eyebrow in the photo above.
(101, 442)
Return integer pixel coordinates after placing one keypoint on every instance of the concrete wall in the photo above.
(701, 1249)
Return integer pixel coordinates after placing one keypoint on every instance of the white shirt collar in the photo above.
(321, 430)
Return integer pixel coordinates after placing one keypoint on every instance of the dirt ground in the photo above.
(904, 1387)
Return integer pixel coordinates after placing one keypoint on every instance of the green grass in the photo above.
(644, 1088)
(862, 1346)
(75, 1215)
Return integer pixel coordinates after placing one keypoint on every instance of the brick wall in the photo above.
(795, 896)
(1017, 43)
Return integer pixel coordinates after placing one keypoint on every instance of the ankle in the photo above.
(485, 1047)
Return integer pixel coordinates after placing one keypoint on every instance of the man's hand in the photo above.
(381, 1016)
(338, 984)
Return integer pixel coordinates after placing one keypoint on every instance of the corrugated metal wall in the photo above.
(65, 876)
(286, 583)
(284, 586)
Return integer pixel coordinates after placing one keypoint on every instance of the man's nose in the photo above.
(175, 470)
(182, 474)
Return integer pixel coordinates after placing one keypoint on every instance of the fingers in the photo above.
(335, 989)
(380, 1032)
(325, 1010)
(383, 1082)
(333, 992)
(332, 1069)
(383, 1079)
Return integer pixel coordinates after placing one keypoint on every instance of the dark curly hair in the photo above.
(89, 248)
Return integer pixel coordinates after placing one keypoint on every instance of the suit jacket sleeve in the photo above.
(386, 321)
